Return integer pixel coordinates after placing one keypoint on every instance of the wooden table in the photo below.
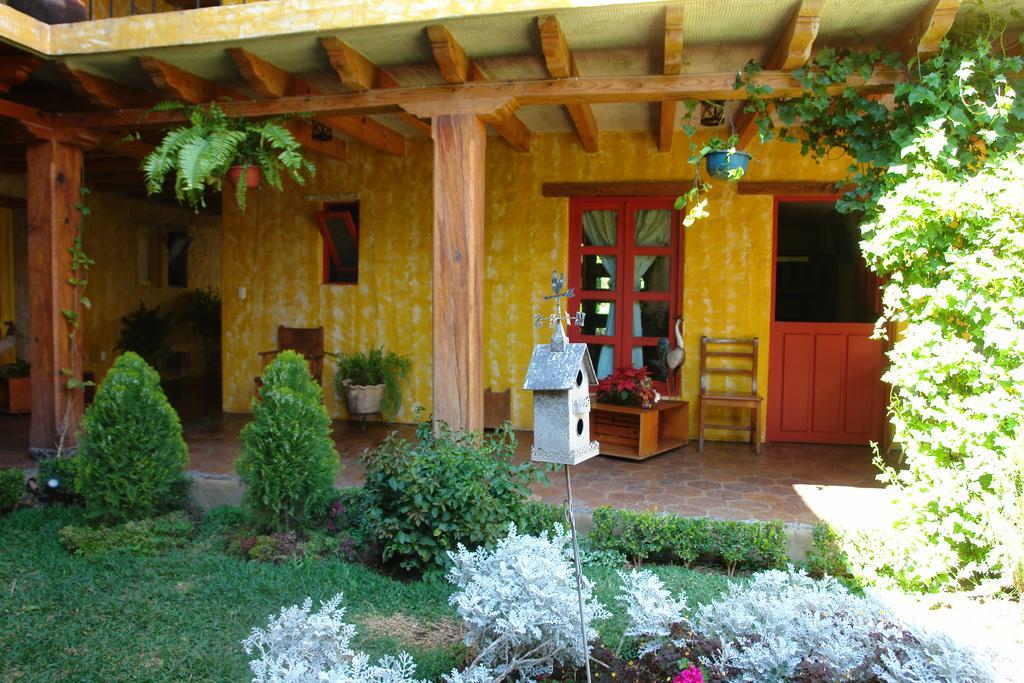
(639, 433)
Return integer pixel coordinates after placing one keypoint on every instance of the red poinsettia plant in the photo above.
(628, 387)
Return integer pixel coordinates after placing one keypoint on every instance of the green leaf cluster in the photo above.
(430, 494)
(666, 537)
(200, 153)
(142, 537)
(147, 331)
(372, 367)
(132, 456)
(12, 485)
(288, 461)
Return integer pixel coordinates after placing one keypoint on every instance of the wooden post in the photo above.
(459, 143)
(54, 180)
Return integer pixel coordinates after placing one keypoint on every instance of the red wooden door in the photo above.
(824, 373)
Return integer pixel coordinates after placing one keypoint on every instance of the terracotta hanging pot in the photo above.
(252, 176)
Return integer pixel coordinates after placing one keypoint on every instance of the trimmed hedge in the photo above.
(143, 537)
(12, 484)
(667, 537)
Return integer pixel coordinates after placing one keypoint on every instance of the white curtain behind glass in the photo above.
(653, 229)
(602, 230)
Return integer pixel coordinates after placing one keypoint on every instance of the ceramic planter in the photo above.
(252, 176)
(721, 163)
(364, 399)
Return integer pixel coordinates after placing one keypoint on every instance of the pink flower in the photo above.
(689, 675)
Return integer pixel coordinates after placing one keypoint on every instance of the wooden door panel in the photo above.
(824, 383)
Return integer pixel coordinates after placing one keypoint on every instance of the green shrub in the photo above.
(12, 484)
(666, 537)
(827, 556)
(537, 517)
(143, 537)
(65, 472)
(430, 494)
(132, 455)
(288, 460)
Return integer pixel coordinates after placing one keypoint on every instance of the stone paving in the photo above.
(791, 482)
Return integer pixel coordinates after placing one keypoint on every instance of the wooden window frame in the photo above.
(624, 251)
(328, 249)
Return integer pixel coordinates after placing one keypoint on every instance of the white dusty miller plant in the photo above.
(783, 623)
(301, 646)
(651, 610)
(520, 608)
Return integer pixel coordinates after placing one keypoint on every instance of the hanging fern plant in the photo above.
(202, 152)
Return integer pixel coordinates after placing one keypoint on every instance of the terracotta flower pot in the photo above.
(252, 176)
(364, 399)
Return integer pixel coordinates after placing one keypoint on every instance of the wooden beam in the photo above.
(457, 67)
(53, 182)
(708, 86)
(788, 187)
(792, 51)
(921, 37)
(25, 113)
(561, 64)
(104, 92)
(16, 69)
(623, 188)
(672, 64)
(458, 391)
(358, 73)
(196, 89)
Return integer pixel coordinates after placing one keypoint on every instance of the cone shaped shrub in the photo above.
(132, 454)
(288, 460)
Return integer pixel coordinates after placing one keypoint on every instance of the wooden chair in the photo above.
(730, 351)
(306, 341)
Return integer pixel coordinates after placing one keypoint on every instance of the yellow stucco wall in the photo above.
(111, 237)
(273, 251)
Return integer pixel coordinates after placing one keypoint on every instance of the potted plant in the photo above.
(212, 145)
(628, 386)
(15, 387)
(371, 381)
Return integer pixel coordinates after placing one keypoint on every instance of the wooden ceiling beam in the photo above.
(921, 37)
(16, 69)
(196, 90)
(561, 64)
(104, 92)
(672, 64)
(791, 52)
(457, 67)
(705, 86)
(360, 74)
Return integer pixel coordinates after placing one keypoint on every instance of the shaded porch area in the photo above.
(792, 482)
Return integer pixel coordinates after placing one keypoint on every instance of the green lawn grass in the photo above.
(182, 615)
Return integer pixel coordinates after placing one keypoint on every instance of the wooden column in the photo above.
(54, 179)
(459, 143)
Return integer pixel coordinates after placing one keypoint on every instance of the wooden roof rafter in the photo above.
(791, 52)
(457, 67)
(562, 65)
(16, 69)
(104, 92)
(197, 90)
(360, 74)
(921, 37)
(672, 64)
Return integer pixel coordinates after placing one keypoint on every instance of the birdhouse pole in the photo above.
(560, 375)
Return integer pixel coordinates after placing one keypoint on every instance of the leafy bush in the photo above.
(131, 453)
(12, 485)
(827, 557)
(299, 646)
(783, 624)
(376, 366)
(143, 537)
(652, 612)
(667, 537)
(146, 331)
(63, 471)
(520, 606)
(429, 495)
(538, 516)
(288, 460)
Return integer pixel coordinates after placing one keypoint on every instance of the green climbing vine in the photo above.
(935, 173)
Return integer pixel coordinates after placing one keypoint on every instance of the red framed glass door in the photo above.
(624, 263)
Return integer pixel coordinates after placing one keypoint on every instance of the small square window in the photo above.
(339, 231)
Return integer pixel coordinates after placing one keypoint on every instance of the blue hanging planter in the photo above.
(721, 164)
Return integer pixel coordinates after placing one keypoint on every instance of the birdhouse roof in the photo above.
(555, 370)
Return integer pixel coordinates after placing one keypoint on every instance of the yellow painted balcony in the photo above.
(74, 11)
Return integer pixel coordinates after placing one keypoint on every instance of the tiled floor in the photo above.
(799, 483)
